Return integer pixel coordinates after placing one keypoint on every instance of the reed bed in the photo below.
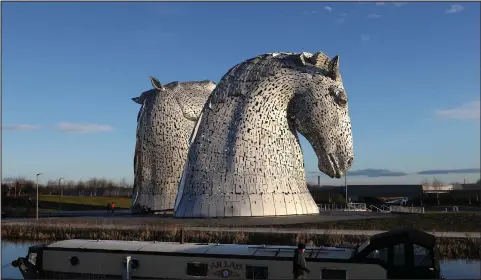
(43, 233)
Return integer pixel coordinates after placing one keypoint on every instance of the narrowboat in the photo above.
(396, 254)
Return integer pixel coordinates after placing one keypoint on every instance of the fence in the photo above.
(406, 209)
(343, 207)
(379, 208)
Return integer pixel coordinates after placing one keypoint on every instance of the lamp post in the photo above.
(38, 174)
(345, 185)
(60, 192)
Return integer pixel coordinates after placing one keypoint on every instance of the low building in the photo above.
(373, 191)
(454, 193)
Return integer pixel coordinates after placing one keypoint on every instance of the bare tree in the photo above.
(90, 187)
(437, 184)
(426, 183)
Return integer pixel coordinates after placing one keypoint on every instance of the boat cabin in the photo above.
(405, 253)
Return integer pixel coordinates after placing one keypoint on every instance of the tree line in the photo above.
(91, 187)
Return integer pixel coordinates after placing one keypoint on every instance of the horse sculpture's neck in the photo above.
(165, 122)
(245, 159)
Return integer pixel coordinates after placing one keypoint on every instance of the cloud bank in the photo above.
(370, 172)
(450, 171)
(376, 173)
(83, 128)
(19, 127)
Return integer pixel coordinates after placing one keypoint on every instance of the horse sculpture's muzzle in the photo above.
(336, 167)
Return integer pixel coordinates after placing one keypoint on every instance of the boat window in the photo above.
(333, 273)
(197, 269)
(398, 254)
(422, 256)
(256, 272)
(380, 254)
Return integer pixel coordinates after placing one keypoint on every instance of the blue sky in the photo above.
(411, 71)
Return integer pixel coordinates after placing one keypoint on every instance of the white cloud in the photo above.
(343, 15)
(365, 37)
(380, 4)
(83, 128)
(455, 8)
(19, 127)
(311, 12)
(399, 4)
(340, 20)
(374, 16)
(468, 111)
(327, 8)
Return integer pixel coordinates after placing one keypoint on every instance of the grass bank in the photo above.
(437, 221)
(120, 202)
(449, 247)
(20, 206)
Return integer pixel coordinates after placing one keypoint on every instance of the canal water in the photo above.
(451, 269)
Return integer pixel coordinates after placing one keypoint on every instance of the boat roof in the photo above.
(396, 236)
(203, 248)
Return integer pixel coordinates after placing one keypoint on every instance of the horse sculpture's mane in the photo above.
(241, 79)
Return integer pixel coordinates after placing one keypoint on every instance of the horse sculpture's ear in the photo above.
(156, 84)
(137, 100)
(319, 59)
(333, 68)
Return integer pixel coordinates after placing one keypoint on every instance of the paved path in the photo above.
(327, 231)
(126, 218)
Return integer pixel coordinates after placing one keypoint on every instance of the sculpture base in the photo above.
(156, 202)
(252, 205)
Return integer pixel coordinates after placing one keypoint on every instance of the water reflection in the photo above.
(461, 269)
(451, 269)
(11, 251)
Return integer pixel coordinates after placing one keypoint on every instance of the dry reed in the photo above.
(449, 247)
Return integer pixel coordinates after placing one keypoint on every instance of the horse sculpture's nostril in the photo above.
(349, 162)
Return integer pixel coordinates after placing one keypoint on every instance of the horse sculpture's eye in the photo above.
(339, 95)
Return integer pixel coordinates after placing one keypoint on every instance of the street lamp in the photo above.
(345, 186)
(60, 192)
(38, 174)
